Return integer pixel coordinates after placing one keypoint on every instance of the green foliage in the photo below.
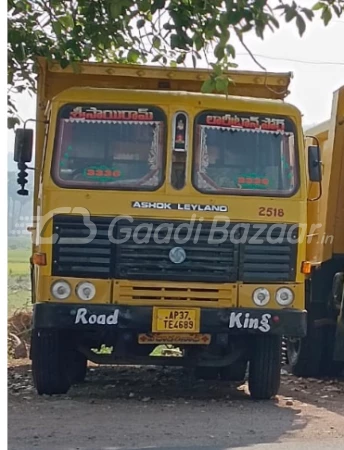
(140, 31)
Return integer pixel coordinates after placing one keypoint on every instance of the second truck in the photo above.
(321, 352)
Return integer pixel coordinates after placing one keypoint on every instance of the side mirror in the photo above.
(314, 163)
(23, 145)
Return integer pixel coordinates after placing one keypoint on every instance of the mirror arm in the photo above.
(319, 196)
(34, 120)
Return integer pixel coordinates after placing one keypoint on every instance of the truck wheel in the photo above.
(234, 372)
(50, 362)
(330, 367)
(304, 355)
(265, 367)
(79, 367)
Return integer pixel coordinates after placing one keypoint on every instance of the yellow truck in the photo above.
(166, 216)
(321, 352)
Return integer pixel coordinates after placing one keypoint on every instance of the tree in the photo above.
(142, 31)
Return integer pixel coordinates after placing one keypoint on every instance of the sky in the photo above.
(307, 57)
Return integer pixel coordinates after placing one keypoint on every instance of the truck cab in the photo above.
(166, 216)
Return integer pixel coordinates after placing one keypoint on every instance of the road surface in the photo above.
(158, 408)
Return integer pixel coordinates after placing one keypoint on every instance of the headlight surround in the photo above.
(261, 296)
(61, 289)
(284, 296)
(85, 291)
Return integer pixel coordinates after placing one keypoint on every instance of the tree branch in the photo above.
(248, 50)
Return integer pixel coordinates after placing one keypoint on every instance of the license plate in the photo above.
(176, 320)
(174, 338)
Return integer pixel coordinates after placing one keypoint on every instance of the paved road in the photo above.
(143, 408)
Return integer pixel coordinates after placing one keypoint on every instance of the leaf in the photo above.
(221, 84)
(301, 25)
(157, 4)
(308, 13)
(208, 86)
(57, 28)
(12, 122)
(224, 37)
(157, 58)
(230, 50)
(219, 51)
(290, 14)
(259, 31)
(168, 26)
(64, 63)
(319, 5)
(274, 21)
(326, 15)
(174, 41)
(181, 58)
(67, 21)
(144, 5)
(156, 42)
(217, 69)
(133, 55)
(115, 9)
(337, 10)
(199, 43)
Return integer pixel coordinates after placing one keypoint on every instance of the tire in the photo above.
(234, 372)
(305, 354)
(265, 367)
(50, 362)
(79, 367)
(330, 367)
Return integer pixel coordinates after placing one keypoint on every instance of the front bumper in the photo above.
(79, 317)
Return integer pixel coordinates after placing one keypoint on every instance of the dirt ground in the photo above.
(136, 407)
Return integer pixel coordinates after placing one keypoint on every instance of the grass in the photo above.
(18, 261)
(18, 300)
(19, 295)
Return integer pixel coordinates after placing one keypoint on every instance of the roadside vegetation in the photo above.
(19, 296)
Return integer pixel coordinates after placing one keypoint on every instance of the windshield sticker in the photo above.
(92, 113)
(256, 123)
(253, 182)
(65, 157)
(101, 173)
(245, 122)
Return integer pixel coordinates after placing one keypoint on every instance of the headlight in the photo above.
(85, 290)
(261, 296)
(284, 296)
(61, 289)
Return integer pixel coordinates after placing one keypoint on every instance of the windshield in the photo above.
(109, 146)
(244, 154)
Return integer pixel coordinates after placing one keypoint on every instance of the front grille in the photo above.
(264, 261)
(215, 262)
(78, 251)
(144, 255)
